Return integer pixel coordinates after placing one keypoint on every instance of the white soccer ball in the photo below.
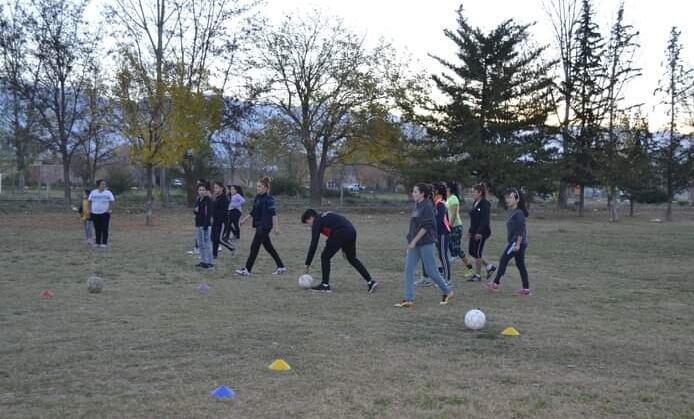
(475, 319)
(305, 281)
(95, 284)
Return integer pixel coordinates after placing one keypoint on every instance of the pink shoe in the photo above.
(524, 291)
(492, 285)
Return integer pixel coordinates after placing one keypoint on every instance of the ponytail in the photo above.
(522, 201)
(266, 181)
(481, 188)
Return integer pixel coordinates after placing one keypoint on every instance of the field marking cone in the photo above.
(203, 286)
(47, 293)
(510, 331)
(279, 365)
(223, 392)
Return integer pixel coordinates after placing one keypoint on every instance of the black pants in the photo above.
(262, 237)
(101, 222)
(217, 229)
(232, 225)
(347, 241)
(520, 264)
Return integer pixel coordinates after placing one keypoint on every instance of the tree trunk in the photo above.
(563, 196)
(163, 187)
(631, 207)
(66, 182)
(316, 176)
(149, 174)
(581, 199)
(21, 166)
(668, 211)
(612, 203)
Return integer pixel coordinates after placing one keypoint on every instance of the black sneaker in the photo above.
(475, 278)
(200, 265)
(490, 270)
(372, 285)
(321, 288)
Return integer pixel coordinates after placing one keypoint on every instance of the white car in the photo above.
(355, 187)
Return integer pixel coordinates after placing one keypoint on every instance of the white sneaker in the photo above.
(424, 282)
(243, 272)
(279, 271)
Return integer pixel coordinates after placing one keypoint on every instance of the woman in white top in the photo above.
(101, 200)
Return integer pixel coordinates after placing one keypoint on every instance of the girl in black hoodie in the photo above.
(219, 217)
(480, 230)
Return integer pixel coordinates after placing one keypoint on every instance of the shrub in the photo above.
(285, 186)
(119, 180)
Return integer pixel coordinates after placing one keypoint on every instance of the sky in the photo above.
(416, 27)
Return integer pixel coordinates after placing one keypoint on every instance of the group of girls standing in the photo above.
(436, 223)
(217, 212)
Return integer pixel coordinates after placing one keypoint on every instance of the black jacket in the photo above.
(203, 217)
(479, 219)
(219, 209)
(329, 224)
(263, 211)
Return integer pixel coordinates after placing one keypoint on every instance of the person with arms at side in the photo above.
(219, 218)
(517, 241)
(236, 201)
(457, 229)
(421, 238)
(101, 201)
(480, 230)
(341, 235)
(86, 216)
(203, 222)
(265, 221)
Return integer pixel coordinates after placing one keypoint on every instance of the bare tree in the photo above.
(19, 70)
(619, 71)
(67, 51)
(676, 88)
(316, 73)
(564, 16)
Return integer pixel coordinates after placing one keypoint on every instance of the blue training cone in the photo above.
(222, 392)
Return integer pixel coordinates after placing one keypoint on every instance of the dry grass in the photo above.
(607, 333)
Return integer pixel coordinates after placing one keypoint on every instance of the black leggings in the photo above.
(262, 237)
(347, 241)
(520, 264)
(101, 222)
(232, 224)
(217, 229)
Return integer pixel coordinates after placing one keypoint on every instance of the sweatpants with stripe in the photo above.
(442, 247)
(347, 241)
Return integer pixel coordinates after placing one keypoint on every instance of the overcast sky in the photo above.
(416, 26)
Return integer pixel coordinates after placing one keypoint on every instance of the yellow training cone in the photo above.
(510, 331)
(280, 365)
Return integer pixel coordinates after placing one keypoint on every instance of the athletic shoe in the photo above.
(372, 285)
(475, 278)
(524, 291)
(195, 251)
(280, 271)
(424, 282)
(490, 270)
(321, 288)
(243, 272)
(446, 298)
(468, 272)
(404, 304)
(200, 265)
(492, 285)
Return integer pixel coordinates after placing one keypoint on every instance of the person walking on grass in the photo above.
(101, 201)
(219, 218)
(443, 230)
(421, 238)
(342, 235)
(86, 216)
(480, 230)
(457, 230)
(517, 241)
(203, 221)
(236, 201)
(265, 221)
(196, 248)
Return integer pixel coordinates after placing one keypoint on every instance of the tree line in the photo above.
(186, 81)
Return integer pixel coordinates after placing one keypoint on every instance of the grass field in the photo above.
(609, 331)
